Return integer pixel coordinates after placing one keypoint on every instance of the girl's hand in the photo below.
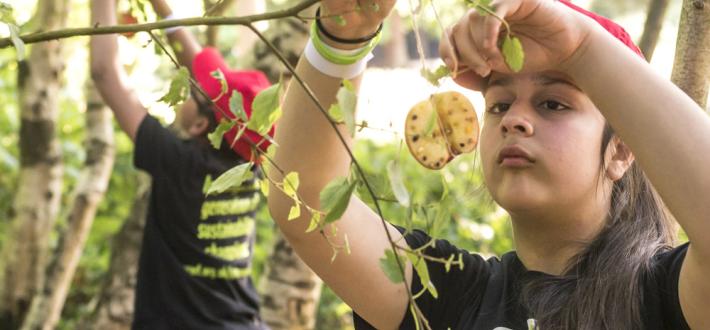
(551, 34)
(358, 23)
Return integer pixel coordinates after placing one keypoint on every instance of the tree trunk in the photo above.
(114, 307)
(289, 290)
(245, 38)
(215, 8)
(395, 49)
(47, 304)
(24, 254)
(654, 24)
(691, 69)
(289, 36)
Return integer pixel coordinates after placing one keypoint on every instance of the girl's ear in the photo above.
(199, 126)
(618, 159)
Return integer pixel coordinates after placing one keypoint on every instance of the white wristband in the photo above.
(335, 70)
(174, 28)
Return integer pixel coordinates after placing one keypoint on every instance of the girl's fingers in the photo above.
(448, 53)
(461, 73)
(471, 80)
(490, 29)
(467, 47)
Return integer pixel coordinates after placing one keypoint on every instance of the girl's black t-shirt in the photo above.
(485, 294)
(194, 270)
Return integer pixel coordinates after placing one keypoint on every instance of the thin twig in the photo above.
(96, 30)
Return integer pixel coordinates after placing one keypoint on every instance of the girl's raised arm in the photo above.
(307, 144)
(667, 131)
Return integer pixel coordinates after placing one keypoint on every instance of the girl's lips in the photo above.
(515, 162)
(515, 156)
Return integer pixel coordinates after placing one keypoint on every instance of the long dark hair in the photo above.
(601, 288)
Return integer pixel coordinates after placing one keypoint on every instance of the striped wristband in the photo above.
(339, 63)
(324, 65)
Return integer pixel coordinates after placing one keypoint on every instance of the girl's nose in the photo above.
(516, 122)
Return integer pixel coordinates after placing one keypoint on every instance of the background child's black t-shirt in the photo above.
(484, 295)
(195, 262)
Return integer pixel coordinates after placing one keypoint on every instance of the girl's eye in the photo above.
(553, 105)
(499, 107)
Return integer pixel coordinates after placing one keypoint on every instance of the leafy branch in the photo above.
(145, 27)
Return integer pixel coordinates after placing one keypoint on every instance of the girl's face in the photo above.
(540, 144)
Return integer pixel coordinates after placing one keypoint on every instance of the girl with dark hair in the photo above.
(582, 148)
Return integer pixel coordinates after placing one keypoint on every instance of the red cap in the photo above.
(615, 29)
(247, 82)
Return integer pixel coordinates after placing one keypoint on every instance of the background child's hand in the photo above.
(550, 33)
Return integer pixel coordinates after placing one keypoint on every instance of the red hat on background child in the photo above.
(247, 82)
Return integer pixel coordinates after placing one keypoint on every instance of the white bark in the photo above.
(93, 181)
(37, 200)
(691, 69)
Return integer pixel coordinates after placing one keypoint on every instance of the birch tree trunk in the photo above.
(691, 68)
(36, 205)
(114, 306)
(652, 29)
(290, 291)
(215, 8)
(93, 181)
(395, 49)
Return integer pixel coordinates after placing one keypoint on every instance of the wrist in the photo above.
(342, 34)
(589, 35)
(347, 36)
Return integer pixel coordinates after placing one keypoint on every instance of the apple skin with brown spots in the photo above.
(455, 131)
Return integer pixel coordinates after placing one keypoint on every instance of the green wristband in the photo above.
(341, 59)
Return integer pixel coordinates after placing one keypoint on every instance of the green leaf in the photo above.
(207, 184)
(447, 265)
(16, 41)
(335, 198)
(336, 114)
(265, 109)
(420, 266)
(216, 136)
(219, 75)
(434, 76)
(6, 13)
(389, 266)
(179, 88)
(264, 186)
(236, 105)
(432, 122)
(445, 188)
(295, 211)
(513, 53)
(232, 178)
(315, 222)
(271, 151)
(290, 184)
(397, 183)
(347, 103)
(482, 6)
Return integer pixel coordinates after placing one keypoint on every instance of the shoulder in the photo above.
(660, 290)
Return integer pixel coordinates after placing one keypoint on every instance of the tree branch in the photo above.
(96, 30)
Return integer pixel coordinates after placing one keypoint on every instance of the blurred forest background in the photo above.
(72, 204)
